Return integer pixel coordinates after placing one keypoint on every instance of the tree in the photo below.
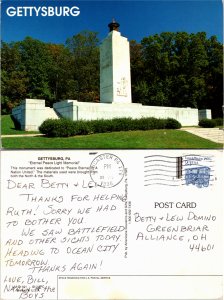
(59, 72)
(180, 69)
(37, 62)
(14, 79)
(167, 69)
(160, 63)
(139, 85)
(214, 77)
(84, 85)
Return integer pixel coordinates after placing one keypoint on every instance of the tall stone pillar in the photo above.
(115, 76)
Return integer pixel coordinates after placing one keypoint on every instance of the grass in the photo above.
(8, 128)
(152, 139)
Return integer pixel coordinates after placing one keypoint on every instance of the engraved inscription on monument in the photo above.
(122, 87)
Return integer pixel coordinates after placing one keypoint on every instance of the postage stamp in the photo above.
(198, 176)
(107, 170)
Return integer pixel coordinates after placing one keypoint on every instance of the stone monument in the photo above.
(115, 74)
(115, 94)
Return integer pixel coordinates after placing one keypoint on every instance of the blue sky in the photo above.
(137, 19)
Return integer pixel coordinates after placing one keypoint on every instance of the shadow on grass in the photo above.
(17, 125)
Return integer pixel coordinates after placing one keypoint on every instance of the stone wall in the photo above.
(204, 114)
(32, 112)
(19, 114)
(75, 110)
(67, 109)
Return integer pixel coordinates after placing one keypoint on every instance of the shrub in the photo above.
(122, 124)
(148, 123)
(218, 122)
(46, 126)
(172, 124)
(57, 128)
(82, 127)
(66, 128)
(116, 124)
(207, 123)
(101, 126)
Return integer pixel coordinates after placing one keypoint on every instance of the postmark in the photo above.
(107, 170)
(186, 170)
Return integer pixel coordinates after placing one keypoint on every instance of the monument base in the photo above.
(32, 112)
(75, 110)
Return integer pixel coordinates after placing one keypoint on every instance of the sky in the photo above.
(137, 19)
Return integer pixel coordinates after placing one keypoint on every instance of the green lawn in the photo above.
(7, 126)
(152, 139)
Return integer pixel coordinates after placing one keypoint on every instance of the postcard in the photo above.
(111, 150)
(111, 225)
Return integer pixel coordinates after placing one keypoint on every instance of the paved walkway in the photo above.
(213, 134)
(22, 135)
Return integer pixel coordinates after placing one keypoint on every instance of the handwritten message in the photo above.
(57, 224)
